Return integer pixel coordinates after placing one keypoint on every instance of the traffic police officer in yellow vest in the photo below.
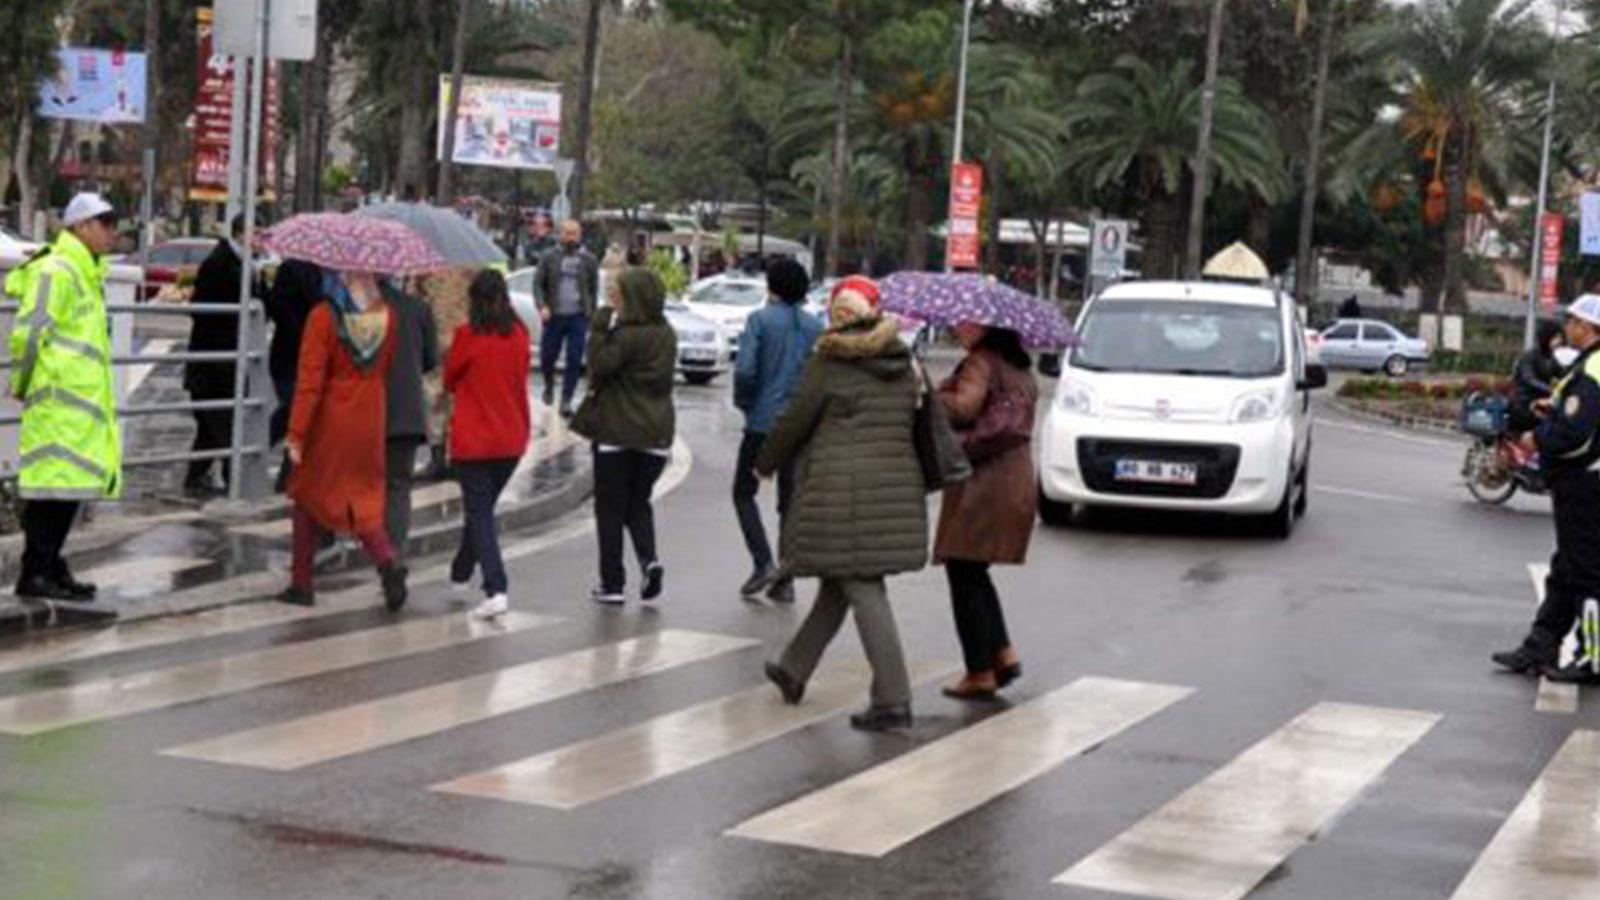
(71, 447)
(1568, 438)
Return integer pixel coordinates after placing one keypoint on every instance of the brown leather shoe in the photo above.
(975, 686)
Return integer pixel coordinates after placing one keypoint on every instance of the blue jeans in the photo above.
(571, 331)
(482, 480)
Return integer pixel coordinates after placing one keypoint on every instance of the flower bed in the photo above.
(1434, 401)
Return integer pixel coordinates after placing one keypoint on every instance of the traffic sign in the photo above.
(291, 33)
(1108, 255)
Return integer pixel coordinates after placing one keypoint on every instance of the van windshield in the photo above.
(1184, 337)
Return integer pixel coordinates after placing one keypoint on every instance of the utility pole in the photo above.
(1534, 264)
(152, 122)
(1202, 155)
(959, 148)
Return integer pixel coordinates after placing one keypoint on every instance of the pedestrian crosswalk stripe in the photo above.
(1553, 697)
(1550, 846)
(892, 804)
(47, 710)
(581, 773)
(1217, 840)
(391, 720)
(421, 498)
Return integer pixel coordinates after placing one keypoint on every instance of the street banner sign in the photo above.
(1108, 254)
(966, 202)
(1589, 224)
(106, 87)
(504, 124)
(1550, 260)
(213, 120)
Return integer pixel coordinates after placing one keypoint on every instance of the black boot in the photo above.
(1523, 661)
(297, 596)
(43, 587)
(793, 691)
(80, 590)
(882, 718)
(394, 586)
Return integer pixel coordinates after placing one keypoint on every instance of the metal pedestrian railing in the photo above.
(249, 450)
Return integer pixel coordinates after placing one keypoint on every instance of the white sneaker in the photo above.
(492, 608)
(607, 598)
(459, 591)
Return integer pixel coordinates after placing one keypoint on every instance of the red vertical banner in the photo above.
(213, 120)
(966, 199)
(1553, 226)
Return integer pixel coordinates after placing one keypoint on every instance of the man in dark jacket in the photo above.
(416, 353)
(1535, 371)
(1569, 445)
(860, 508)
(628, 414)
(216, 283)
(567, 289)
(773, 350)
(296, 290)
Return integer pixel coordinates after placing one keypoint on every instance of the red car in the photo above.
(168, 258)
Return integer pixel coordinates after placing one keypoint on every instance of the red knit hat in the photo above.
(854, 298)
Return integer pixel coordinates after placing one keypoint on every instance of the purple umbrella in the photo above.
(949, 300)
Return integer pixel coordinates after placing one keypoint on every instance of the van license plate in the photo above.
(1152, 472)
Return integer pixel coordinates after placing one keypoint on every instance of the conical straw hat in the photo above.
(1237, 263)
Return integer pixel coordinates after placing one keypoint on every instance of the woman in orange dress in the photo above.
(336, 432)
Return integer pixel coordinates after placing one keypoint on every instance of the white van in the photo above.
(1183, 395)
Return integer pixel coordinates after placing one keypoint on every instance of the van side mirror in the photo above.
(1316, 377)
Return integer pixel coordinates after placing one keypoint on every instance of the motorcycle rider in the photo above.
(1568, 439)
(1536, 369)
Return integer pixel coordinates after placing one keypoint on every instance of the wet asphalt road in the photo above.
(1391, 594)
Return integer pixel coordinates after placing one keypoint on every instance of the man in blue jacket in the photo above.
(773, 351)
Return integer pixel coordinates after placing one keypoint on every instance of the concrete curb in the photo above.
(571, 491)
(1411, 423)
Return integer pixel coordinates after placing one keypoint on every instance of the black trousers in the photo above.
(980, 623)
(623, 483)
(1575, 567)
(745, 488)
(213, 430)
(45, 525)
(482, 480)
(399, 470)
(278, 425)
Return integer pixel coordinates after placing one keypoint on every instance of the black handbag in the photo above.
(939, 451)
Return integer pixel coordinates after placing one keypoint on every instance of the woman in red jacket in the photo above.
(487, 374)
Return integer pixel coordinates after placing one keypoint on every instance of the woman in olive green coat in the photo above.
(860, 511)
(628, 414)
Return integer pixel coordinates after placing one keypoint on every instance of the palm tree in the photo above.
(1135, 121)
(1465, 69)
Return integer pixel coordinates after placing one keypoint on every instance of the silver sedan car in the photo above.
(1370, 346)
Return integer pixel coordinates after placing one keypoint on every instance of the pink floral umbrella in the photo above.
(353, 244)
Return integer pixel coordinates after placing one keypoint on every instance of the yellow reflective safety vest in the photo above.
(71, 447)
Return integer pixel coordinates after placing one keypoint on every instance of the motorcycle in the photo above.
(1498, 463)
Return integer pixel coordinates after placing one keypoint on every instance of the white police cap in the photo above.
(84, 207)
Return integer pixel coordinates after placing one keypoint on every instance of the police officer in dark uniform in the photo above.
(1568, 438)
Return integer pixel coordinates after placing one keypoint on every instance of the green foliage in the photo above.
(673, 274)
(28, 41)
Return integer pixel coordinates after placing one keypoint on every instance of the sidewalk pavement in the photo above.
(151, 559)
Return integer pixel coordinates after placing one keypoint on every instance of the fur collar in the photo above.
(860, 341)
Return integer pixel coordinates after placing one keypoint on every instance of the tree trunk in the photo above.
(27, 189)
(305, 139)
(919, 215)
(1303, 267)
(414, 143)
(995, 188)
(1161, 228)
(841, 147)
(1455, 231)
(1041, 254)
(447, 193)
(1258, 225)
(1202, 153)
(591, 63)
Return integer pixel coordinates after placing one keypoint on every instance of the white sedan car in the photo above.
(703, 349)
(727, 300)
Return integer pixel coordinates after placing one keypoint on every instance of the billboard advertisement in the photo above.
(1550, 264)
(504, 124)
(102, 86)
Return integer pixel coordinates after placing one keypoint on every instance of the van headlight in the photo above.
(1258, 406)
(1074, 398)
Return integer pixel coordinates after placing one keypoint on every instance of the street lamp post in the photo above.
(1535, 264)
(958, 149)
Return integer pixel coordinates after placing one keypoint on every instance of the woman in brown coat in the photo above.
(336, 432)
(988, 519)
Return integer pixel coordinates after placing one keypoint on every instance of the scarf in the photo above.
(361, 332)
